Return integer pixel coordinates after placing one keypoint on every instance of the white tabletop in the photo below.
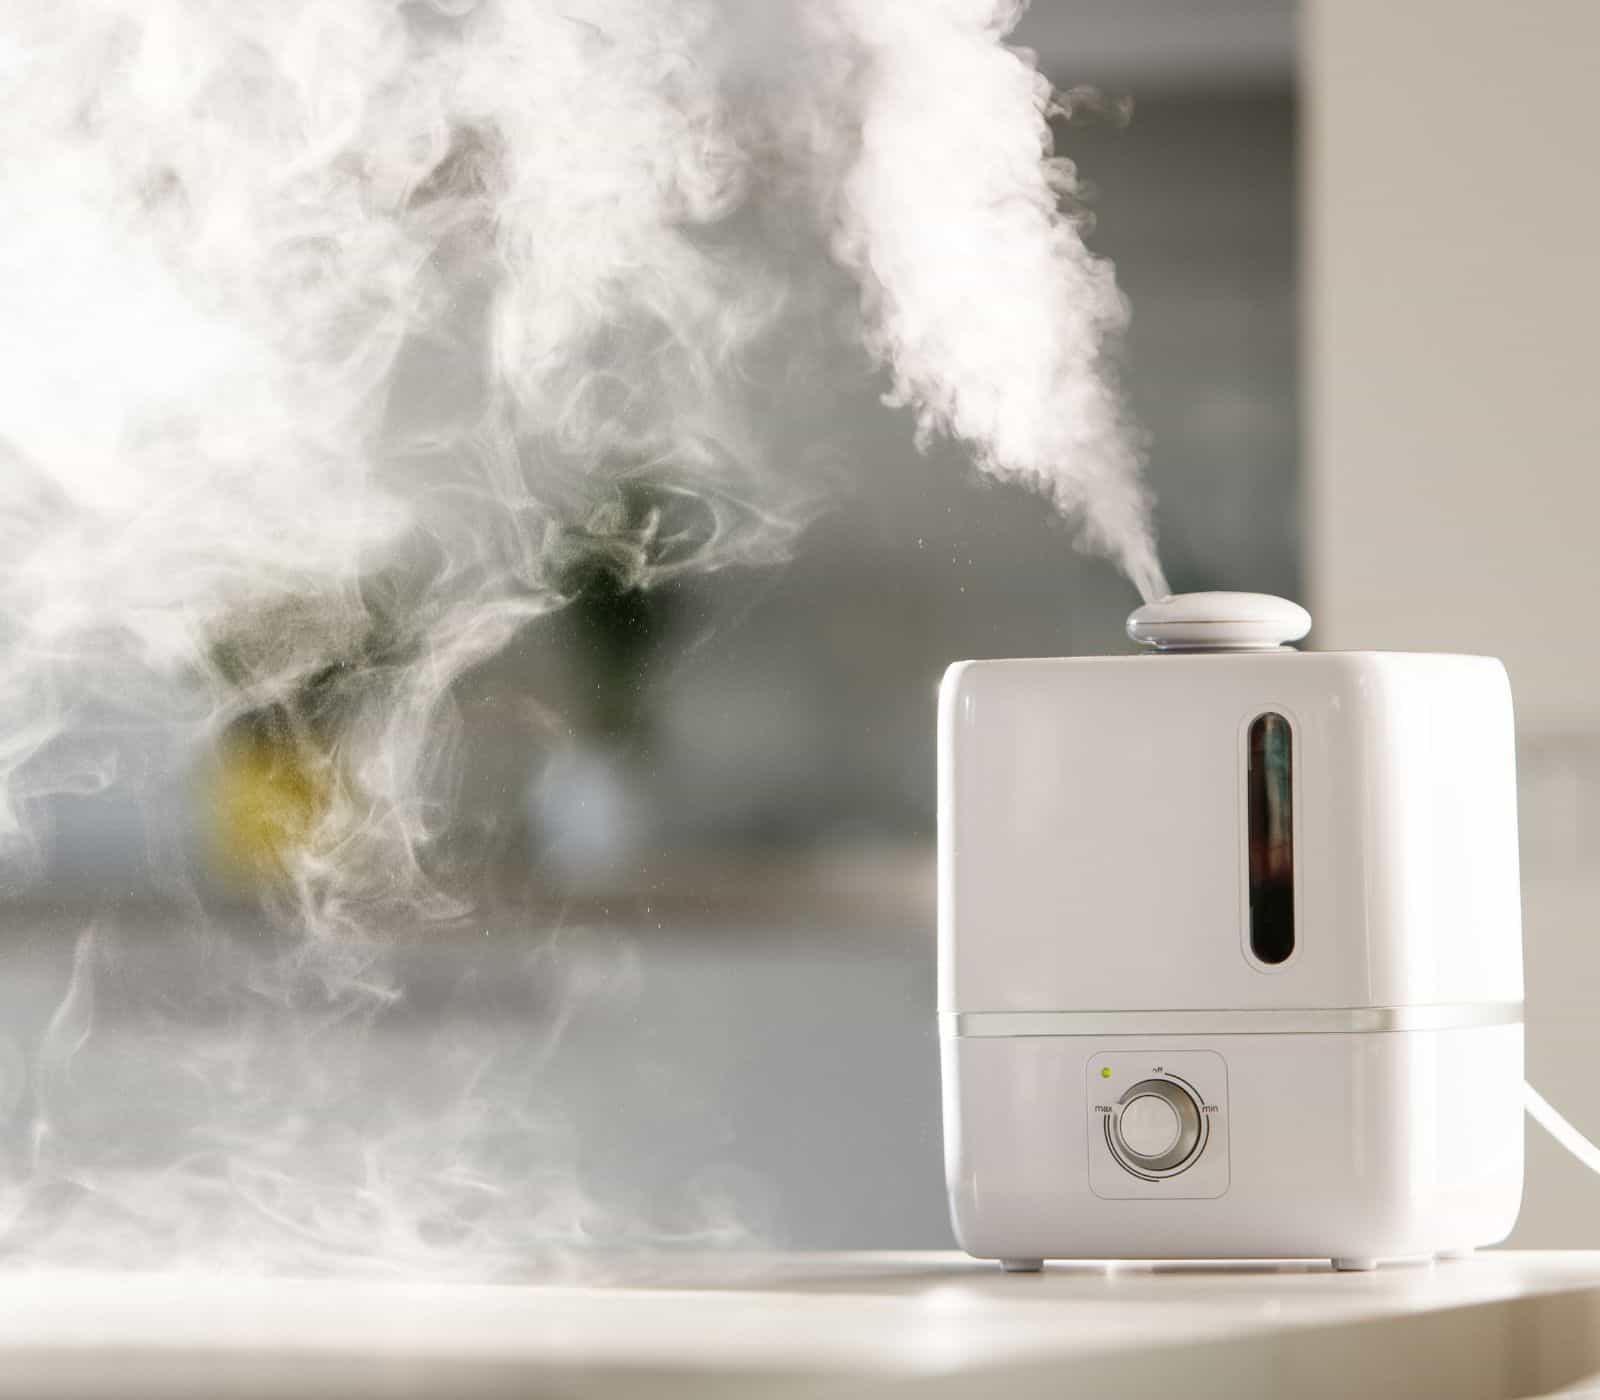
(1499, 1324)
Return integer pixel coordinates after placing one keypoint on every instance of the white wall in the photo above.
(1452, 494)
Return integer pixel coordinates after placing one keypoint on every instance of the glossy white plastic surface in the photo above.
(1218, 621)
(1093, 840)
(1149, 1125)
(1093, 858)
(1338, 1145)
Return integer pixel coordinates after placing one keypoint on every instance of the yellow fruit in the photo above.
(266, 797)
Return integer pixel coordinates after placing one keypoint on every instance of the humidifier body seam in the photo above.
(1344, 1020)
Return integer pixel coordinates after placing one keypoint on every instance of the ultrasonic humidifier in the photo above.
(1230, 955)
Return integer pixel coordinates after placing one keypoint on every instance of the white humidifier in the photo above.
(1230, 955)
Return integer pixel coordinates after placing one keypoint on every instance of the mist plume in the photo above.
(980, 293)
(336, 339)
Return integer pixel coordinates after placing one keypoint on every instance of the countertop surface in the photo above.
(1496, 1324)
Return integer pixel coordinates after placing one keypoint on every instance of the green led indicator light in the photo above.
(1105, 1071)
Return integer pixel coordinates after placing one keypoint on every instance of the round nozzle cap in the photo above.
(1218, 622)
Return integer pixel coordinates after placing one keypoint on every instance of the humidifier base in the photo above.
(1352, 1147)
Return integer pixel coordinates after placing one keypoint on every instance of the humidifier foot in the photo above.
(1355, 1264)
(1022, 1266)
(1465, 1253)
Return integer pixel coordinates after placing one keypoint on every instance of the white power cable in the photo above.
(1562, 1131)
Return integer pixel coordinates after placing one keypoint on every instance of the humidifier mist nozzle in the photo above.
(1219, 622)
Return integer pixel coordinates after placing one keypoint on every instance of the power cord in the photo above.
(1546, 1117)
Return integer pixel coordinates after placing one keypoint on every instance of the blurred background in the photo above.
(1360, 263)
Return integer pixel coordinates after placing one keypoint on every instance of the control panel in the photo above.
(1158, 1124)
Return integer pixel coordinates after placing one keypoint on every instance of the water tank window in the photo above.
(1270, 780)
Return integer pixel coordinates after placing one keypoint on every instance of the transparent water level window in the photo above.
(1269, 781)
